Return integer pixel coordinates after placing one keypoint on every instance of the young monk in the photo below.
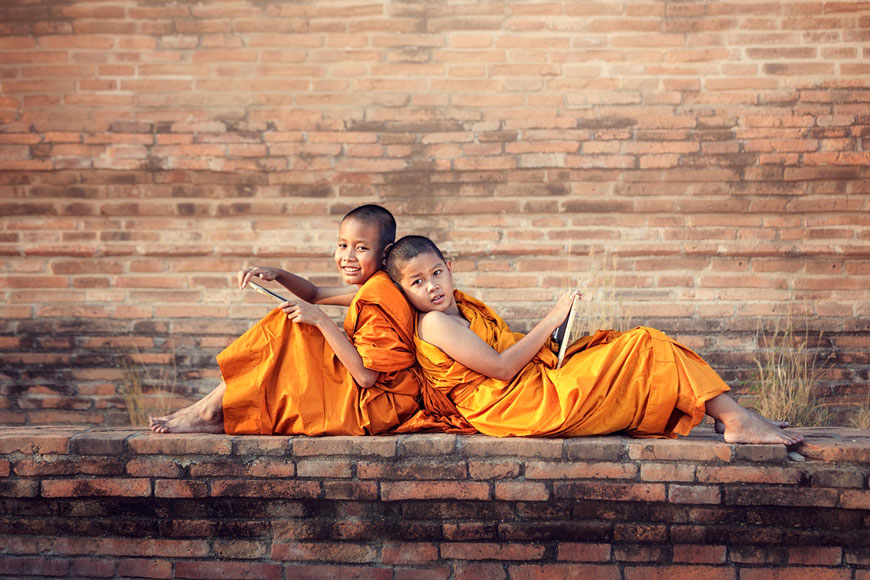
(296, 372)
(505, 384)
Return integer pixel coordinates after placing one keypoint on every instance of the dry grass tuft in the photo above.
(135, 384)
(861, 418)
(601, 307)
(784, 377)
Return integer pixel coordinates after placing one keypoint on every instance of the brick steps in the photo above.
(129, 503)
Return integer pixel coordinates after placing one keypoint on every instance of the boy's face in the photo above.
(358, 254)
(428, 283)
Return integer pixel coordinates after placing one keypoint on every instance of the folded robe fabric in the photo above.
(638, 382)
(282, 377)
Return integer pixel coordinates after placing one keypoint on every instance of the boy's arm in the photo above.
(299, 286)
(462, 345)
(305, 313)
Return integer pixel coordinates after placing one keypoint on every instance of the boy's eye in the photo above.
(416, 282)
(437, 272)
(342, 246)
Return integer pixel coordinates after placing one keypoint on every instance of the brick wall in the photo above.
(706, 160)
(121, 503)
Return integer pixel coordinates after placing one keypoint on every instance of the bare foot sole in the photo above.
(186, 423)
(752, 428)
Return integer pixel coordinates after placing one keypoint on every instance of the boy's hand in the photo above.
(261, 272)
(301, 311)
(560, 311)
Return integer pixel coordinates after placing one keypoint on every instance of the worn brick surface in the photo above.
(160, 509)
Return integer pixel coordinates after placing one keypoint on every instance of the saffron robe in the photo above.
(282, 377)
(638, 382)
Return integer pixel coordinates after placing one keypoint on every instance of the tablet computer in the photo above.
(564, 335)
(266, 292)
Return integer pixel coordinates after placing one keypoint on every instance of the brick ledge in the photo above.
(91, 502)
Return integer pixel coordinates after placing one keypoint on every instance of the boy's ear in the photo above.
(385, 252)
(450, 266)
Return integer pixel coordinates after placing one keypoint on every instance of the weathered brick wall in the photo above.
(107, 504)
(712, 157)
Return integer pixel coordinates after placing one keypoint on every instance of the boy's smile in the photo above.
(428, 284)
(358, 254)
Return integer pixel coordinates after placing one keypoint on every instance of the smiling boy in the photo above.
(296, 372)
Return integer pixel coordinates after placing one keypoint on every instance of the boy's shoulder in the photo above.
(378, 287)
(379, 290)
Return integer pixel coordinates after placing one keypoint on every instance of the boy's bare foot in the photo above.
(740, 425)
(187, 423)
(203, 416)
(750, 428)
(719, 426)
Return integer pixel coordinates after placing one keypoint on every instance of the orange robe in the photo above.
(639, 382)
(283, 377)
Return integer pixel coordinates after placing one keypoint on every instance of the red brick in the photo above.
(610, 491)
(641, 553)
(236, 549)
(13, 565)
(816, 556)
(521, 491)
(55, 442)
(143, 568)
(356, 446)
(408, 553)
(176, 488)
(411, 470)
(148, 467)
(564, 571)
(474, 571)
(325, 572)
(98, 487)
(358, 490)
(754, 495)
(252, 570)
(324, 552)
(265, 488)
(134, 547)
(181, 444)
(93, 567)
(480, 446)
(554, 470)
(19, 488)
(796, 573)
(682, 450)
(493, 469)
(405, 490)
(427, 444)
(491, 551)
(680, 573)
(438, 573)
(325, 469)
(694, 494)
(27, 467)
(667, 472)
(855, 499)
(577, 552)
(695, 554)
(741, 474)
